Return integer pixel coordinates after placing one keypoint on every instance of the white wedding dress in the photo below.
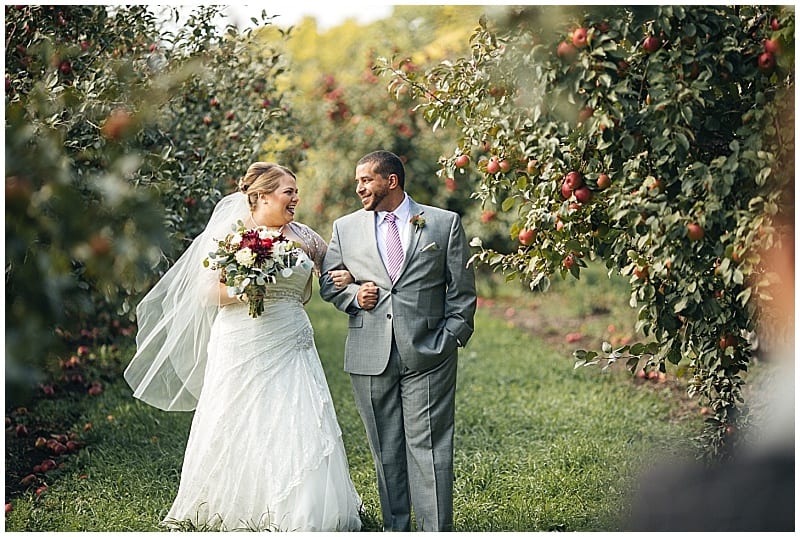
(265, 450)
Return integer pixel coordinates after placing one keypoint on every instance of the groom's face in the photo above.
(372, 188)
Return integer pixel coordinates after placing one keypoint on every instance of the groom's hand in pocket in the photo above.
(367, 295)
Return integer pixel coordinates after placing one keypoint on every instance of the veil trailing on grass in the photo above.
(176, 316)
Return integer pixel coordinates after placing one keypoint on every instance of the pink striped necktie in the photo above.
(394, 247)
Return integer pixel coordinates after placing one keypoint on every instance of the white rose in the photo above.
(245, 257)
(237, 238)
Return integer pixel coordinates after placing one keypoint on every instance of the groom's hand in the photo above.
(367, 295)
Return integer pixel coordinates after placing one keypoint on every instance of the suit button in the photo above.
(394, 291)
(388, 315)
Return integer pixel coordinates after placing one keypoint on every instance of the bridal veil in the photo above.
(175, 318)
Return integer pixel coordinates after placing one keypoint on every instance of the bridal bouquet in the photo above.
(250, 259)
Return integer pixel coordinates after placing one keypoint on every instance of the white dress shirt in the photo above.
(402, 213)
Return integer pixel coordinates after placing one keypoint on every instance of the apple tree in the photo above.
(110, 168)
(657, 140)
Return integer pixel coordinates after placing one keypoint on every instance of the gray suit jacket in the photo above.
(429, 309)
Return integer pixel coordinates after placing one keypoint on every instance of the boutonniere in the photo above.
(418, 221)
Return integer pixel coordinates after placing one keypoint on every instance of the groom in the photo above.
(411, 306)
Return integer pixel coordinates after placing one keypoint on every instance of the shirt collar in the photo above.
(401, 212)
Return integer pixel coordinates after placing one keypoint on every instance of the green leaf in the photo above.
(680, 305)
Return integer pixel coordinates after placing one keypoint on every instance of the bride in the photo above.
(265, 450)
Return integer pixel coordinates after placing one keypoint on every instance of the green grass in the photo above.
(540, 446)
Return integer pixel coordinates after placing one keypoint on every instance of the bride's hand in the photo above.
(341, 278)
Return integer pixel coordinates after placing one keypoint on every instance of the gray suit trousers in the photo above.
(409, 420)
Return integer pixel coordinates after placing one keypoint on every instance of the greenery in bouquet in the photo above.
(251, 259)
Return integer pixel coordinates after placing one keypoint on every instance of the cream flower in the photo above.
(245, 257)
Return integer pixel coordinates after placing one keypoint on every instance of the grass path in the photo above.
(540, 446)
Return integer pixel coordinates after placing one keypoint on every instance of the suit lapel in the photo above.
(369, 235)
(371, 256)
(413, 210)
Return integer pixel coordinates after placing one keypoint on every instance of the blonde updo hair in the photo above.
(262, 177)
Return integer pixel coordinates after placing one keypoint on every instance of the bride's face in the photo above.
(281, 203)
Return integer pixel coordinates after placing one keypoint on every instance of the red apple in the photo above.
(65, 67)
(40, 442)
(585, 113)
(773, 46)
(774, 24)
(705, 411)
(566, 51)
(583, 194)
(21, 430)
(566, 191)
(568, 261)
(657, 185)
(9, 508)
(695, 232)
(641, 374)
(579, 37)
(559, 225)
(450, 184)
(641, 272)
(100, 246)
(207, 120)
(505, 165)
(526, 236)
(531, 167)
(462, 161)
(487, 216)
(651, 44)
(573, 180)
(41, 490)
(116, 124)
(229, 115)
(493, 166)
(603, 181)
(727, 340)
(766, 62)
(213, 101)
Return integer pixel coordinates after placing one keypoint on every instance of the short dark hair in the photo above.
(387, 163)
